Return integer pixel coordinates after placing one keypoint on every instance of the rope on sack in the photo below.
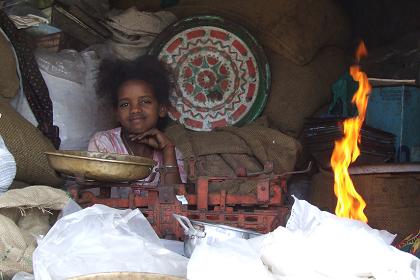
(43, 210)
(22, 211)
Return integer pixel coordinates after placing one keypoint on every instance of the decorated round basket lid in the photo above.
(221, 73)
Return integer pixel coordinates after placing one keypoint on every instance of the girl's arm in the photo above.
(157, 140)
(170, 170)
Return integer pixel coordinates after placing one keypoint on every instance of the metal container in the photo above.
(395, 110)
(197, 232)
(104, 167)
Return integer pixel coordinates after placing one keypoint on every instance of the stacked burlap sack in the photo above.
(133, 31)
(222, 152)
(304, 42)
(25, 214)
(297, 92)
(296, 29)
(24, 141)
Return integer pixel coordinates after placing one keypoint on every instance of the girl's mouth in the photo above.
(136, 118)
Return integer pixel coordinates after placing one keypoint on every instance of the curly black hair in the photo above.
(113, 73)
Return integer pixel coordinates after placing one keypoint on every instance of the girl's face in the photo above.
(138, 110)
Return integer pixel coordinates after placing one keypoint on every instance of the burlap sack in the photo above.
(133, 31)
(134, 22)
(42, 197)
(9, 81)
(24, 215)
(27, 145)
(267, 144)
(298, 91)
(15, 254)
(221, 152)
(296, 29)
(220, 142)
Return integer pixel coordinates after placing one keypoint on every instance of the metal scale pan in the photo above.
(102, 167)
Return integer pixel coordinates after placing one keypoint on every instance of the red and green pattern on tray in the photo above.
(221, 73)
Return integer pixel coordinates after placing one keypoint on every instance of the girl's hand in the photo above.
(154, 138)
(159, 141)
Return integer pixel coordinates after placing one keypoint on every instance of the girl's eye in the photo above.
(122, 105)
(145, 101)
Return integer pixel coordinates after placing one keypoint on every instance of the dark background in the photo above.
(382, 22)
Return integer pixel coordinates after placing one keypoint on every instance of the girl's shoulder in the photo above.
(112, 133)
(108, 141)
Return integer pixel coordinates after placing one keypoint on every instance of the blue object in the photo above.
(343, 90)
(42, 30)
(397, 110)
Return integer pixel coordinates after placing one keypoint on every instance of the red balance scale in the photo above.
(261, 211)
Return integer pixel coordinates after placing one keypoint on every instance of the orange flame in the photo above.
(349, 203)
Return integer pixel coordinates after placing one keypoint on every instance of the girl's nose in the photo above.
(136, 108)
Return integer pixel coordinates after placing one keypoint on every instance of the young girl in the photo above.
(139, 91)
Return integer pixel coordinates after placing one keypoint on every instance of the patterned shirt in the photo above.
(110, 141)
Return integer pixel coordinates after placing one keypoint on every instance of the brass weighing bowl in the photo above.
(103, 167)
(126, 276)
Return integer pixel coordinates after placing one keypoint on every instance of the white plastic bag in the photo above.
(230, 259)
(77, 110)
(319, 245)
(66, 64)
(306, 217)
(7, 167)
(103, 239)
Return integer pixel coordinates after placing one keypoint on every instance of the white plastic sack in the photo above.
(230, 259)
(319, 245)
(77, 110)
(103, 239)
(7, 167)
(306, 217)
(67, 64)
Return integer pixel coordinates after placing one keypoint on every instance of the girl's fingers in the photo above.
(153, 144)
(153, 137)
(151, 132)
(135, 138)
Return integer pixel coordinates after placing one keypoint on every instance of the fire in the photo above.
(349, 203)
